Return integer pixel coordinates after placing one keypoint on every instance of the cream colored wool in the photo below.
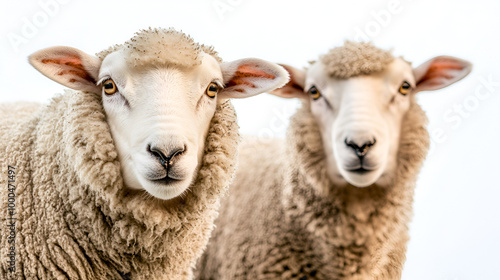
(284, 219)
(354, 59)
(75, 219)
(159, 46)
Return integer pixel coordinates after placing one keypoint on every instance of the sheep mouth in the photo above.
(166, 180)
(164, 177)
(360, 171)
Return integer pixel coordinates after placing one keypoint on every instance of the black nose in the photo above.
(161, 155)
(360, 150)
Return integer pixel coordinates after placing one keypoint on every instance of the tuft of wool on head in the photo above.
(163, 47)
(355, 59)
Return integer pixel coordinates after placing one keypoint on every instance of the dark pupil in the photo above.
(108, 85)
(314, 91)
(406, 86)
(213, 88)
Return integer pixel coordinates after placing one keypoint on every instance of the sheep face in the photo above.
(159, 111)
(159, 118)
(359, 96)
(360, 120)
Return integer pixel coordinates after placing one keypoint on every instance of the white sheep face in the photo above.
(159, 114)
(360, 120)
(159, 118)
(360, 117)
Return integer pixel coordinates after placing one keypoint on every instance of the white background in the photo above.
(456, 227)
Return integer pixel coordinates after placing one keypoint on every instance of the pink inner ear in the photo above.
(70, 65)
(245, 71)
(441, 68)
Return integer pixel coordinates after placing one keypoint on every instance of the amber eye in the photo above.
(314, 92)
(109, 87)
(404, 88)
(212, 90)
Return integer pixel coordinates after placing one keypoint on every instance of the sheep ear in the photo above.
(69, 67)
(440, 72)
(295, 87)
(251, 76)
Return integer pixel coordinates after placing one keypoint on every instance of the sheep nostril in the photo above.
(175, 153)
(371, 143)
(351, 144)
(157, 153)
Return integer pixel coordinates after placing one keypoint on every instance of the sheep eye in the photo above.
(212, 90)
(109, 87)
(404, 88)
(314, 92)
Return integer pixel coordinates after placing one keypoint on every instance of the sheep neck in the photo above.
(364, 227)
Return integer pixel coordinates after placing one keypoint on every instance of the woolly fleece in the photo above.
(163, 47)
(76, 220)
(284, 219)
(355, 59)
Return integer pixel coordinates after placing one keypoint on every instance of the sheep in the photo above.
(334, 200)
(121, 177)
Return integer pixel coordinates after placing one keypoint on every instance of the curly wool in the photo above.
(284, 219)
(76, 220)
(355, 59)
(163, 47)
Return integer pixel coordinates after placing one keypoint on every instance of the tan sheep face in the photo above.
(159, 113)
(360, 120)
(360, 117)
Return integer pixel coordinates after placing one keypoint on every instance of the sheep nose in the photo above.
(166, 157)
(360, 150)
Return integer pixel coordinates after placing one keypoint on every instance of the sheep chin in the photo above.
(166, 189)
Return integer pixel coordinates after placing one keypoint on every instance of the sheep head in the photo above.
(159, 91)
(359, 96)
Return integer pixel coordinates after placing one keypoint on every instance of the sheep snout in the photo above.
(361, 157)
(360, 149)
(166, 157)
(168, 161)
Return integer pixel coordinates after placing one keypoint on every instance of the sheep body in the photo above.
(74, 219)
(121, 178)
(297, 225)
